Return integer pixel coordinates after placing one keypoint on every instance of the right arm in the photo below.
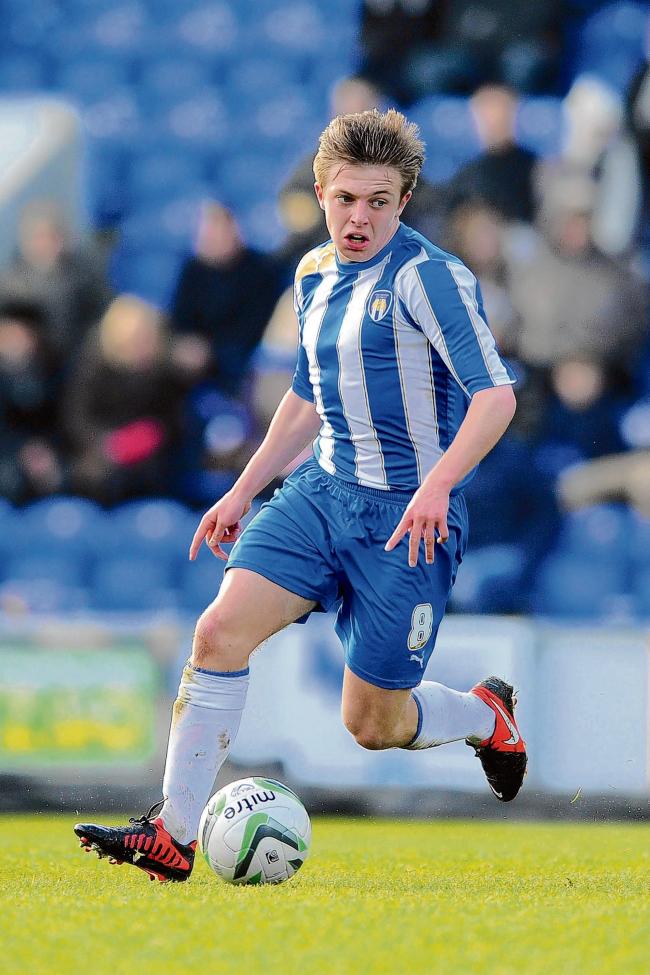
(293, 426)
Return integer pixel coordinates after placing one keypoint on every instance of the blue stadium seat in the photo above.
(201, 120)
(577, 587)
(208, 29)
(253, 80)
(23, 73)
(641, 592)
(447, 127)
(149, 273)
(168, 78)
(489, 580)
(131, 584)
(540, 125)
(114, 119)
(62, 527)
(611, 43)
(42, 567)
(200, 581)
(90, 80)
(262, 226)
(639, 541)
(600, 533)
(155, 176)
(152, 527)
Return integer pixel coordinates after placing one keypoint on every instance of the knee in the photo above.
(215, 645)
(368, 732)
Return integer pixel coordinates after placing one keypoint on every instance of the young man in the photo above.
(399, 381)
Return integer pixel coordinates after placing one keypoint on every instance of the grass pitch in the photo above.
(376, 896)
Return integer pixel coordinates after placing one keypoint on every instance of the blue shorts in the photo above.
(323, 538)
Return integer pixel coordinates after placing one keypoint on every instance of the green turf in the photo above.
(380, 897)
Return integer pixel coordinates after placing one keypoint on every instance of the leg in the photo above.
(212, 692)
(377, 718)
(429, 715)
(248, 610)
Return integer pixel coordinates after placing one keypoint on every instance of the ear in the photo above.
(404, 201)
(320, 196)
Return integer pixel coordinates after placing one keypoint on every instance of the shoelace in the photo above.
(150, 815)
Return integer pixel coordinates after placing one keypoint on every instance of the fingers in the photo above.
(429, 542)
(398, 534)
(206, 525)
(215, 539)
(419, 528)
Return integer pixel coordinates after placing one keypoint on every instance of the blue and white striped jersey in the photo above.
(391, 351)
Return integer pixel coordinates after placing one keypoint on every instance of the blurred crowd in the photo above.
(106, 396)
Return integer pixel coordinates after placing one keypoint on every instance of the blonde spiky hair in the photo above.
(372, 138)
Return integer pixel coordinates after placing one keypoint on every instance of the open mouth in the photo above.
(356, 241)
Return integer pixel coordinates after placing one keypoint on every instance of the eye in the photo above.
(378, 204)
(343, 198)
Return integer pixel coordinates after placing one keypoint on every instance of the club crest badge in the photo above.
(379, 304)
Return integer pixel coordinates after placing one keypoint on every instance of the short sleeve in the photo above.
(443, 299)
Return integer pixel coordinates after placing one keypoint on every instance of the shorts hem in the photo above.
(404, 684)
(275, 577)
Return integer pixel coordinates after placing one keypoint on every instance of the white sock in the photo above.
(448, 715)
(205, 721)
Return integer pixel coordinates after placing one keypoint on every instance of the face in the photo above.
(362, 207)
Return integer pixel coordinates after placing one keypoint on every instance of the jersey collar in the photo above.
(353, 267)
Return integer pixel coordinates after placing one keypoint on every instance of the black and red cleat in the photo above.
(144, 843)
(503, 754)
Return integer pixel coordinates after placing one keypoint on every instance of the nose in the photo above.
(360, 213)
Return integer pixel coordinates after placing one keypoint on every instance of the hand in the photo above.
(220, 524)
(425, 514)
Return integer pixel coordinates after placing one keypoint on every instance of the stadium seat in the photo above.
(156, 528)
(447, 127)
(600, 533)
(149, 274)
(23, 73)
(540, 125)
(157, 176)
(489, 580)
(200, 581)
(208, 29)
(168, 78)
(201, 119)
(641, 592)
(42, 567)
(639, 541)
(252, 80)
(610, 43)
(62, 527)
(131, 584)
(577, 587)
(114, 119)
(91, 80)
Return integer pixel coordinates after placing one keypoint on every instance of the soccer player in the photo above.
(399, 382)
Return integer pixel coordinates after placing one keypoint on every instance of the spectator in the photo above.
(65, 282)
(475, 233)
(122, 406)
(414, 49)
(29, 462)
(597, 148)
(571, 300)
(223, 298)
(580, 419)
(638, 118)
(502, 176)
(299, 209)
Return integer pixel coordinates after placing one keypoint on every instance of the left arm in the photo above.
(488, 416)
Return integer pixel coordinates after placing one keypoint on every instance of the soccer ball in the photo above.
(255, 831)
